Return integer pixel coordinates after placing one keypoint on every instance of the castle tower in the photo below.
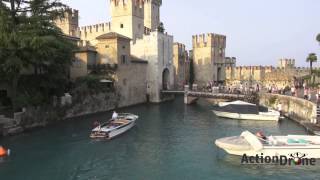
(180, 63)
(152, 14)
(128, 18)
(209, 58)
(69, 23)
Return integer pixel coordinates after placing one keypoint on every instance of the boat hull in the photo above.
(256, 117)
(310, 152)
(251, 145)
(112, 132)
(120, 131)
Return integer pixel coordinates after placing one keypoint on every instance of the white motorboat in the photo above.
(245, 111)
(252, 145)
(114, 127)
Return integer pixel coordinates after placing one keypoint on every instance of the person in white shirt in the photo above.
(293, 90)
(114, 115)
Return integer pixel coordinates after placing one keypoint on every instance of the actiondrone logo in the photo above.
(297, 159)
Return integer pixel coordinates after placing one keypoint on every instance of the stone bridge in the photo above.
(191, 96)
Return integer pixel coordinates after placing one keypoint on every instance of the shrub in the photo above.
(272, 100)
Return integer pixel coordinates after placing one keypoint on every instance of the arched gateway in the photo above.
(165, 79)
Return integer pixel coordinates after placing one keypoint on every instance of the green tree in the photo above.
(318, 38)
(29, 39)
(312, 58)
(161, 28)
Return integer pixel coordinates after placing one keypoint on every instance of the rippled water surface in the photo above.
(170, 142)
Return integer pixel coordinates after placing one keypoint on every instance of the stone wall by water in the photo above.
(93, 103)
(298, 109)
(34, 117)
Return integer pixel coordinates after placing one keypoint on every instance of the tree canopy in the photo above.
(318, 38)
(312, 57)
(32, 46)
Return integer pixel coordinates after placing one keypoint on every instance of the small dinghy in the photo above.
(251, 145)
(245, 111)
(114, 127)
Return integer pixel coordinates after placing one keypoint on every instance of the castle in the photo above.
(168, 62)
(282, 76)
(131, 42)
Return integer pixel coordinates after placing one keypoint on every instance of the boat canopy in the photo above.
(252, 140)
(221, 104)
(240, 109)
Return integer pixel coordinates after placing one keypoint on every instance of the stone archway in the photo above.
(165, 79)
(219, 74)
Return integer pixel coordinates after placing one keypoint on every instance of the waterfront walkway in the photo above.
(311, 127)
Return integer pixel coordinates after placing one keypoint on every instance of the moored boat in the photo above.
(245, 111)
(114, 127)
(252, 145)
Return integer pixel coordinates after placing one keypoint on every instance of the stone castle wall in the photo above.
(157, 49)
(132, 83)
(264, 75)
(298, 109)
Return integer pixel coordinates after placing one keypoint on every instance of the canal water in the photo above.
(170, 142)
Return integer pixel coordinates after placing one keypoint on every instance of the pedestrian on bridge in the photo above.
(293, 91)
(309, 94)
(305, 93)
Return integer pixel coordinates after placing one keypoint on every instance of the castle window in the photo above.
(123, 59)
(123, 47)
(121, 25)
(107, 46)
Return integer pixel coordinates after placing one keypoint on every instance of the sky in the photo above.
(259, 32)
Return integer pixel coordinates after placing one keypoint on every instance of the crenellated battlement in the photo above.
(123, 3)
(69, 22)
(70, 14)
(179, 48)
(94, 30)
(230, 60)
(286, 63)
(157, 2)
(102, 27)
(209, 40)
(125, 7)
(180, 45)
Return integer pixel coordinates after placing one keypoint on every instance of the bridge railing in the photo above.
(224, 91)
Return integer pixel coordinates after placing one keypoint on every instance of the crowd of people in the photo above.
(308, 93)
(241, 88)
(301, 90)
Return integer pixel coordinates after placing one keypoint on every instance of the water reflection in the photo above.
(268, 170)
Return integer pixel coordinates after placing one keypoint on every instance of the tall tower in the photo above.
(69, 23)
(152, 14)
(128, 18)
(209, 58)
